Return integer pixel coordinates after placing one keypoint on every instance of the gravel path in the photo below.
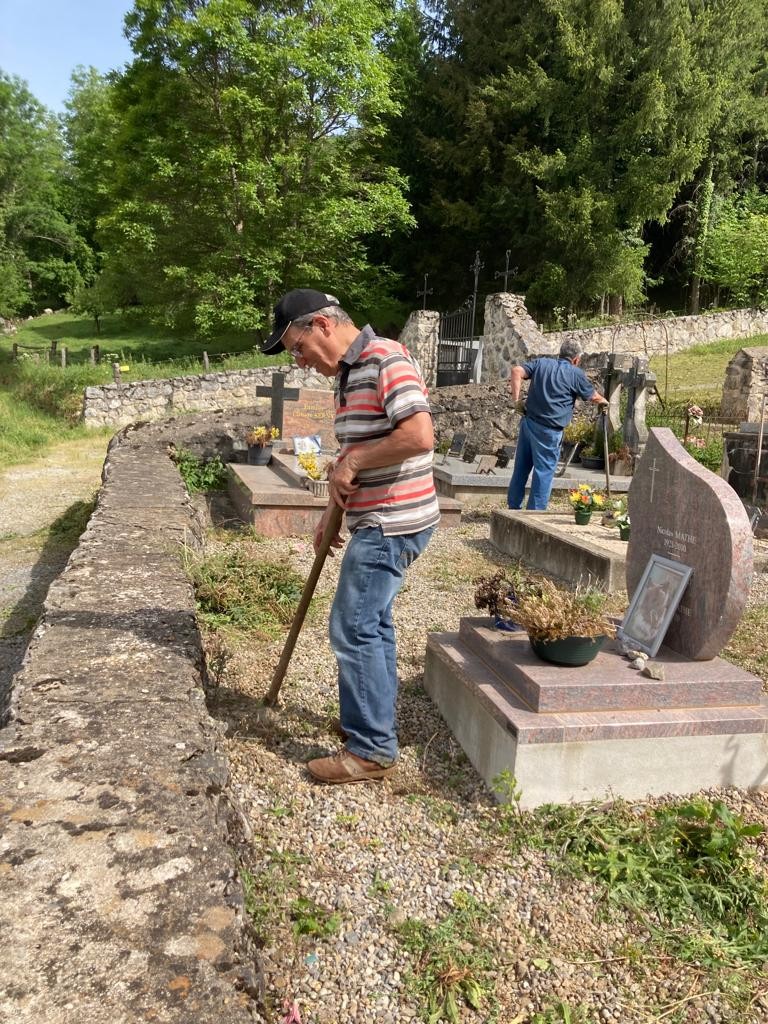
(426, 845)
(32, 497)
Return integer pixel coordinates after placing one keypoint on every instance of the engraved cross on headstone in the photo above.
(279, 394)
(653, 472)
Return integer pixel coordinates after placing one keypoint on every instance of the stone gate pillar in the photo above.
(420, 337)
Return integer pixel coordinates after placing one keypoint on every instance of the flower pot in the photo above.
(505, 625)
(571, 650)
(318, 487)
(582, 516)
(624, 532)
(259, 454)
(592, 462)
(576, 460)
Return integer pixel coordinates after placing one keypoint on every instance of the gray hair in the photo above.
(332, 312)
(570, 349)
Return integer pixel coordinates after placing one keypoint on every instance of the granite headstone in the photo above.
(313, 413)
(685, 512)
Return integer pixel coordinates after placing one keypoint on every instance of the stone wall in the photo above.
(511, 335)
(481, 411)
(118, 883)
(652, 337)
(746, 382)
(120, 404)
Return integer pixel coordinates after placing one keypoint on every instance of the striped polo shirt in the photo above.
(378, 385)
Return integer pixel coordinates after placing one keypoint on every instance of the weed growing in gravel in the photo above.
(562, 1013)
(199, 474)
(233, 589)
(685, 869)
(452, 960)
(309, 918)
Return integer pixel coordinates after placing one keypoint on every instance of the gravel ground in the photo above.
(425, 843)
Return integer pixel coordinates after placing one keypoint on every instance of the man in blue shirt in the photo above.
(548, 409)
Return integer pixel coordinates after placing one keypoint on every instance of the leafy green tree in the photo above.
(244, 156)
(736, 255)
(42, 258)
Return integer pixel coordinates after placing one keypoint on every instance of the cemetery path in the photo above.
(42, 507)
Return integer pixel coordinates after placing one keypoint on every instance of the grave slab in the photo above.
(275, 502)
(631, 737)
(682, 511)
(457, 479)
(552, 543)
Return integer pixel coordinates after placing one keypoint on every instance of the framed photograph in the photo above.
(654, 603)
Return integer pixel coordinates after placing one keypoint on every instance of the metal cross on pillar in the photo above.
(424, 291)
(279, 394)
(506, 273)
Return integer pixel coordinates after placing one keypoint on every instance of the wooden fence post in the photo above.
(116, 373)
(95, 355)
(15, 352)
(63, 357)
(206, 364)
(52, 354)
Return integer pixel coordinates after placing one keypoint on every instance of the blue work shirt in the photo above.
(555, 386)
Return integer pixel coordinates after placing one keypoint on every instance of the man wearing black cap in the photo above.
(382, 478)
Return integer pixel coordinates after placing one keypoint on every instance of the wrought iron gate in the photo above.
(457, 348)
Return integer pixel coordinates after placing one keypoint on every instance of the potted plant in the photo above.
(309, 463)
(621, 519)
(259, 441)
(593, 457)
(576, 436)
(564, 627)
(497, 594)
(584, 499)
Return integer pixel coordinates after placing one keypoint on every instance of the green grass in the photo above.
(452, 960)
(26, 432)
(234, 590)
(697, 375)
(688, 871)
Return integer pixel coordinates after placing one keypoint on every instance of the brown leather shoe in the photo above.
(345, 766)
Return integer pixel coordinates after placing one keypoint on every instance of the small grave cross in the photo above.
(279, 394)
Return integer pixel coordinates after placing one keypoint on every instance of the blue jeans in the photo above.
(538, 449)
(363, 637)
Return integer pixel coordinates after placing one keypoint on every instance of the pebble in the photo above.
(654, 670)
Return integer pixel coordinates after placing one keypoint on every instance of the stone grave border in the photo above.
(121, 885)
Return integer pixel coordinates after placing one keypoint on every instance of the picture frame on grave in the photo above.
(311, 443)
(457, 444)
(653, 604)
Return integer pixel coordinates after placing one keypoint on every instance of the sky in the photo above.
(42, 41)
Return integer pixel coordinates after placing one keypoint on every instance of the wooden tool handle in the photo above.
(332, 527)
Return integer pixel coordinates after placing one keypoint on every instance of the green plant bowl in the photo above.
(571, 650)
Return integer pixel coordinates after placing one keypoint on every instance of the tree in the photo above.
(244, 156)
(736, 254)
(567, 126)
(42, 258)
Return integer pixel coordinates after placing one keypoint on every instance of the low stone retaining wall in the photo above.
(119, 894)
(655, 337)
(120, 404)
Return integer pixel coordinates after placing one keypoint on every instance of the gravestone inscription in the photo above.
(313, 413)
(684, 512)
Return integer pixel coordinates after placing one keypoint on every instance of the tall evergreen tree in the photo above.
(560, 129)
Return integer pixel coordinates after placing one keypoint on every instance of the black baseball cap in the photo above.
(294, 304)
